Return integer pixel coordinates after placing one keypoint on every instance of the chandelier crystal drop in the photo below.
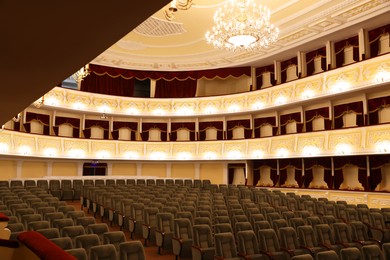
(242, 25)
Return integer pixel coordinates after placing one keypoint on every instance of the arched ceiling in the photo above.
(158, 44)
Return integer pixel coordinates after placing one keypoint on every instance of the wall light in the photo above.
(258, 105)
(158, 156)
(131, 155)
(382, 75)
(343, 148)
(78, 106)
(340, 85)
(4, 148)
(209, 155)
(282, 152)
(308, 93)
(383, 146)
(50, 152)
(24, 150)
(103, 154)
(132, 111)
(234, 108)
(310, 150)
(52, 101)
(210, 110)
(159, 111)
(235, 154)
(76, 153)
(184, 156)
(185, 111)
(258, 154)
(280, 100)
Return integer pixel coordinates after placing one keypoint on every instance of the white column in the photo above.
(109, 169)
(226, 173)
(49, 169)
(139, 169)
(80, 169)
(19, 168)
(197, 170)
(168, 170)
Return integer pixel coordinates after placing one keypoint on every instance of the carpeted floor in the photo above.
(150, 250)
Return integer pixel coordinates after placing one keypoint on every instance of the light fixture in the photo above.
(242, 25)
(175, 6)
(79, 75)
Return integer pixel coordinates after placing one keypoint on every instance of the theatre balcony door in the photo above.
(94, 169)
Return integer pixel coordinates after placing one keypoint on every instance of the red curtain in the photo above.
(73, 122)
(322, 161)
(296, 163)
(341, 45)
(374, 106)
(168, 75)
(105, 125)
(175, 88)
(310, 115)
(374, 36)
(359, 161)
(285, 64)
(204, 125)
(259, 122)
(376, 162)
(340, 110)
(310, 56)
(147, 126)
(259, 75)
(246, 123)
(107, 84)
(43, 119)
(132, 126)
(274, 170)
(285, 119)
(187, 125)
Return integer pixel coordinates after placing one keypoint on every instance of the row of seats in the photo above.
(71, 230)
(169, 216)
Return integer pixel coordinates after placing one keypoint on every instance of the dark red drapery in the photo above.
(322, 161)
(310, 56)
(374, 36)
(376, 162)
(105, 125)
(175, 88)
(359, 161)
(374, 106)
(148, 126)
(341, 45)
(215, 124)
(132, 126)
(285, 64)
(285, 119)
(259, 122)
(274, 170)
(43, 119)
(180, 125)
(246, 123)
(297, 163)
(340, 110)
(73, 122)
(259, 75)
(310, 115)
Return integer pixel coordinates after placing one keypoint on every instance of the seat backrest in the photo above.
(247, 242)
(49, 233)
(359, 231)
(268, 240)
(327, 255)
(63, 242)
(132, 250)
(225, 245)
(202, 236)
(114, 238)
(103, 252)
(87, 241)
(165, 222)
(325, 234)
(376, 220)
(182, 228)
(223, 228)
(306, 236)
(350, 253)
(78, 253)
(342, 233)
(372, 252)
(288, 238)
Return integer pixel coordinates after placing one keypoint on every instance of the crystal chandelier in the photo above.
(242, 25)
(175, 6)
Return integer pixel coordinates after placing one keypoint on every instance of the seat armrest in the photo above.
(268, 254)
(343, 244)
(290, 252)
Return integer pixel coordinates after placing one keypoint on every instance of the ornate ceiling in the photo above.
(158, 44)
